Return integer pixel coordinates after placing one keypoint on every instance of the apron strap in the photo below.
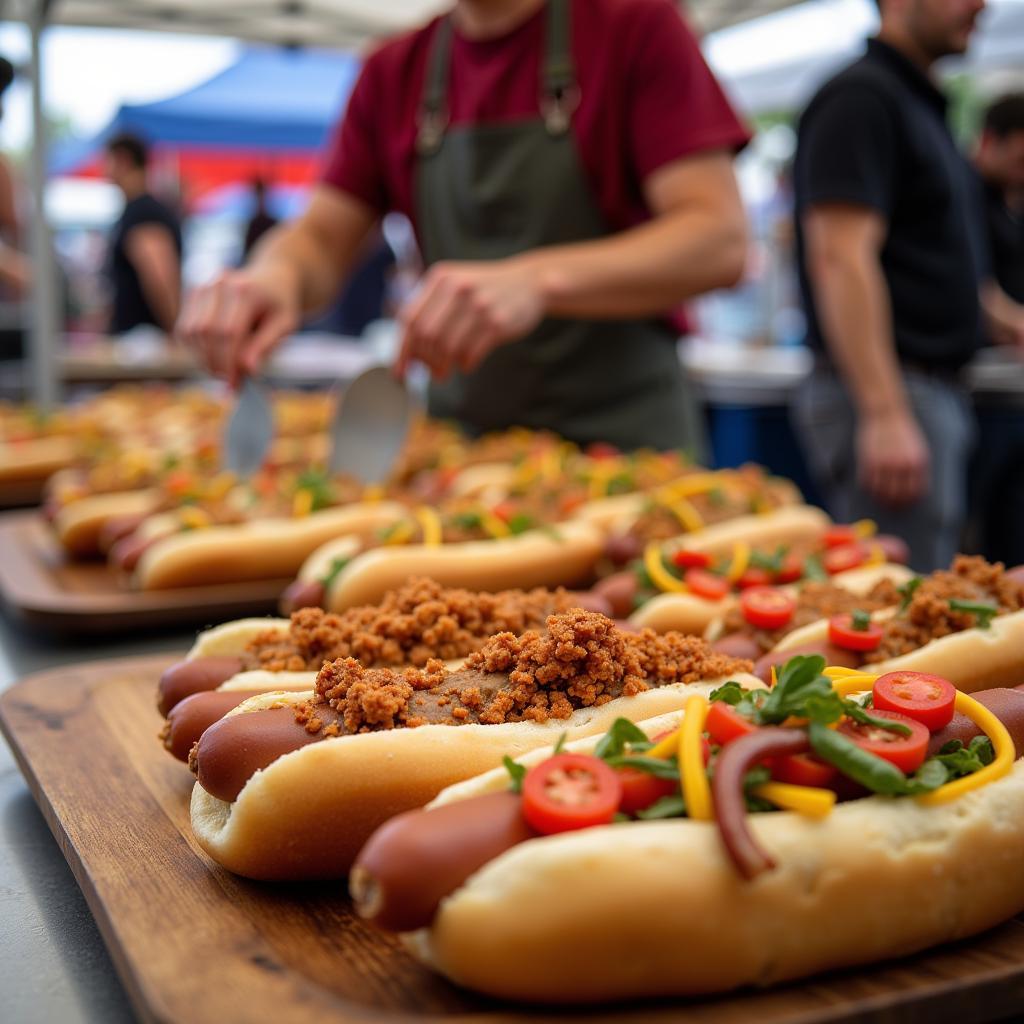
(559, 90)
(432, 119)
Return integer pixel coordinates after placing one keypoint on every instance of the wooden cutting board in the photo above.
(193, 943)
(43, 587)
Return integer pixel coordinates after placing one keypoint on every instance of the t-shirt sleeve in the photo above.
(352, 162)
(676, 106)
(848, 150)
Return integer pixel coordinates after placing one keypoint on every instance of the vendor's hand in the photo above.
(892, 458)
(234, 321)
(464, 310)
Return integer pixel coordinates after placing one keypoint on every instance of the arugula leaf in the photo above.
(622, 483)
(551, 531)
(800, 677)
(560, 744)
(730, 692)
(853, 710)
(960, 760)
(466, 520)
(746, 702)
(756, 777)
(517, 772)
(337, 567)
(520, 523)
(656, 766)
(871, 771)
(984, 613)
(907, 590)
(860, 620)
(622, 733)
(644, 582)
(716, 497)
(814, 570)
(771, 563)
(665, 807)
(319, 486)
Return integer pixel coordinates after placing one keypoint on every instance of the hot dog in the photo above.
(412, 624)
(372, 743)
(966, 622)
(588, 915)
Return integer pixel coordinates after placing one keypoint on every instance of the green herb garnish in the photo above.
(337, 567)
(814, 570)
(622, 734)
(984, 613)
(520, 523)
(517, 772)
(665, 807)
(860, 621)
(907, 591)
(560, 744)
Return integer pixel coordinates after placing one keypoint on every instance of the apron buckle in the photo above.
(431, 125)
(558, 107)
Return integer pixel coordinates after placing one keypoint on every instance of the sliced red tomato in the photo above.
(723, 724)
(601, 450)
(791, 570)
(927, 699)
(570, 502)
(640, 789)
(767, 607)
(838, 535)
(570, 791)
(841, 558)
(754, 577)
(684, 559)
(803, 770)
(843, 631)
(504, 510)
(706, 584)
(906, 752)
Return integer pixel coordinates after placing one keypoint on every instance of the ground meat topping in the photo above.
(582, 660)
(928, 616)
(413, 624)
(813, 601)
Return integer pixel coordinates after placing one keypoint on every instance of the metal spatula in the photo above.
(369, 426)
(249, 430)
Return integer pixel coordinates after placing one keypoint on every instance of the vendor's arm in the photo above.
(296, 268)
(1004, 317)
(851, 295)
(695, 242)
(151, 251)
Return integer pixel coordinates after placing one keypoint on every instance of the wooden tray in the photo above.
(20, 493)
(42, 587)
(192, 942)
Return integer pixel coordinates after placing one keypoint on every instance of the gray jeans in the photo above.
(824, 419)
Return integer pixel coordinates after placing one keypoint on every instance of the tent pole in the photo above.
(45, 301)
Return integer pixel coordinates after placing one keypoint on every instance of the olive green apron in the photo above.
(488, 191)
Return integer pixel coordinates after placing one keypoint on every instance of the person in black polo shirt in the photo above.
(890, 243)
(144, 262)
(999, 160)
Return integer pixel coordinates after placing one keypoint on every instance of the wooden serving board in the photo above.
(192, 942)
(42, 586)
(20, 493)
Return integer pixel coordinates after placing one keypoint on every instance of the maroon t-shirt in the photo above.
(647, 98)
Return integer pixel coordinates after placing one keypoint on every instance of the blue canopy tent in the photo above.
(271, 99)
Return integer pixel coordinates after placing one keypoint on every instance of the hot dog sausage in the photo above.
(230, 751)
(302, 594)
(738, 645)
(183, 679)
(619, 590)
(621, 548)
(592, 601)
(1006, 704)
(125, 553)
(190, 718)
(1016, 573)
(411, 863)
(894, 548)
(117, 527)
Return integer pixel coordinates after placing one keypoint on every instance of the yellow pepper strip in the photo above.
(551, 466)
(660, 576)
(194, 518)
(600, 477)
(691, 484)
(493, 524)
(430, 523)
(807, 800)
(854, 683)
(774, 678)
(373, 492)
(1002, 743)
(835, 672)
(302, 503)
(692, 775)
(876, 555)
(220, 485)
(401, 534)
(666, 746)
(865, 528)
(740, 561)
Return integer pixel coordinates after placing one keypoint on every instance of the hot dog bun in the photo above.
(308, 814)
(656, 909)
(561, 556)
(233, 637)
(260, 550)
(36, 458)
(78, 524)
(974, 659)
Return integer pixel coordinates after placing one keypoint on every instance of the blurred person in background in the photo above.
(891, 248)
(567, 167)
(15, 269)
(261, 220)
(144, 261)
(999, 159)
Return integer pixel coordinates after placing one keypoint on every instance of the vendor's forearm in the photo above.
(644, 271)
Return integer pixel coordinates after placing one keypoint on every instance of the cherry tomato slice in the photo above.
(792, 569)
(706, 584)
(767, 607)
(839, 535)
(601, 450)
(906, 752)
(724, 725)
(684, 559)
(504, 510)
(842, 633)
(803, 770)
(841, 558)
(640, 789)
(754, 577)
(926, 698)
(570, 791)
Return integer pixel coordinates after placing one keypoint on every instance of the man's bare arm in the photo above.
(852, 300)
(150, 250)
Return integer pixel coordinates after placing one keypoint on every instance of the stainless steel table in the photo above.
(54, 967)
